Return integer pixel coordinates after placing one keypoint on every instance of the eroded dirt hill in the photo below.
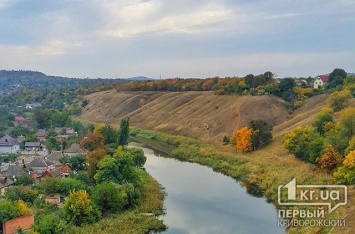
(201, 115)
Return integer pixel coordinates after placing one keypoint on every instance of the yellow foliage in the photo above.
(22, 208)
(119, 149)
(350, 160)
(99, 127)
(243, 138)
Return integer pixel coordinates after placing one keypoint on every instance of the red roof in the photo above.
(19, 119)
(324, 78)
(65, 169)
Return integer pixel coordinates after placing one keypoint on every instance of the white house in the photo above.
(320, 81)
(8, 145)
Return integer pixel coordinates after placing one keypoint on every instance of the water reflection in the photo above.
(202, 201)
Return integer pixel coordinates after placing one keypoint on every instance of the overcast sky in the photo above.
(177, 38)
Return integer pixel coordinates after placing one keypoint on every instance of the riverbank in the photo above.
(143, 219)
(261, 172)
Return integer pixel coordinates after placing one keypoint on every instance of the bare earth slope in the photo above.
(200, 115)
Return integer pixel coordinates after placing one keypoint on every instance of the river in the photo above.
(200, 200)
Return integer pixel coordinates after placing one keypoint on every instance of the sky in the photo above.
(177, 38)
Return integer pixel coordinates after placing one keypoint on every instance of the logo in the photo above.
(331, 196)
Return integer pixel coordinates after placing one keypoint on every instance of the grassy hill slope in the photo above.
(200, 115)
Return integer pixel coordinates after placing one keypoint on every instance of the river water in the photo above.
(202, 201)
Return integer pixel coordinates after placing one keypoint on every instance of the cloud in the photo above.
(152, 17)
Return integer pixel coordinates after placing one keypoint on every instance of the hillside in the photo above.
(200, 115)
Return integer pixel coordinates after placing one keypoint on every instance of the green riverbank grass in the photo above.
(260, 172)
(141, 220)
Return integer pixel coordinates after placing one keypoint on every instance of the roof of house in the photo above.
(41, 133)
(74, 149)
(19, 118)
(52, 173)
(67, 131)
(7, 141)
(32, 144)
(324, 78)
(40, 162)
(5, 182)
(15, 170)
(55, 156)
(65, 169)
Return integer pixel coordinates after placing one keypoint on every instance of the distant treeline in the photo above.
(227, 85)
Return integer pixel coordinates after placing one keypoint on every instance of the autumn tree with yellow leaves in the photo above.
(244, 139)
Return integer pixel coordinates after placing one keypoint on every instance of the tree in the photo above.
(336, 77)
(109, 197)
(261, 133)
(268, 76)
(42, 118)
(65, 185)
(346, 173)
(77, 162)
(50, 222)
(118, 169)
(123, 133)
(287, 84)
(249, 80)
(93, 158)
(78, 209)
(8, 210)
(93, 141)
(109, 133)
(326, 115)
(305, 143)
(138, 156)
(330, 159)
(244, 139)
(339, 99)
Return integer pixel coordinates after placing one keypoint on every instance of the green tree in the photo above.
(287, 84)
(261, 133)
(326, 115)
(42, 118)
(50, 222)
(109, 134)
(336, 77)
(118, 169)
(78, 209)
(77, 162)
(26, 194)
(109, 197)
(65, 185)
(249, 80)
(24, 179)
(123, 133)
(304, 143)
(137, 156)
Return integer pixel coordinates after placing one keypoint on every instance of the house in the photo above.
(320, 81)
(54, 173)
(33, 105)
(24, 222)
(19, 119)
(65, 131)
(5, 183)
(74, 149)
(52, 199)
(33, 146)
(56, 157)
(40, 165)
(14, 170)
(41, 134)
(8, 145)
(65, 171)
